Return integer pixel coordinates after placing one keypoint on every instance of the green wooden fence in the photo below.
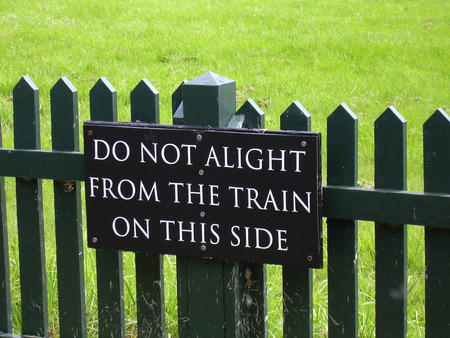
(219, 306)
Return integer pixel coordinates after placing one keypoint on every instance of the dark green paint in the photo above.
(111, 315)
(297, 281)
(209, 100)
(342, 155)
(103, 101)
(201, 282)
(144, 103)
(251, 290)
(149, 267)
(436, 136)
(29, 214)
(56, 165)
(214, 296)
(177, 106)
(69, 239)
(150, 295)
(339, 202)
(5, 287)
(253, 115)
(388, 206)
(390, 239)
(251, 298)
(295, 117)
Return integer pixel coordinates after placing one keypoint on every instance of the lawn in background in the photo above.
(368, 54)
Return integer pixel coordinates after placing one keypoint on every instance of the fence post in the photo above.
(202, 283)
(297, 281)
(436, 138)
(111, 315)
(29, 214)
(342, 157)
(207, 306)
(390, 239)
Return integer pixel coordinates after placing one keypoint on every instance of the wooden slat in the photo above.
(253, 115)
(251, 290)
(387, 206)
(436, 135)
(342, 155)
(5, 287)
(144, 100)
(390, 239)
(69, 239)
(54, 165)
(149, 267)
(297, 281)
(111, 314)
(29, 214)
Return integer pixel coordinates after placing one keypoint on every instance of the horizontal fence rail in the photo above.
(376, 205)
(218, 307)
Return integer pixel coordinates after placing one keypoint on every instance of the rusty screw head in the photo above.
(309, 258)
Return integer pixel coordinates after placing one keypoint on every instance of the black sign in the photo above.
(250, 195)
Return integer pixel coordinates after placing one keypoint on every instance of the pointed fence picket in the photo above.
(144, 100)
(297, 281)
(342, 166)
(224, 304)
(30, 214)
(390, 238)
(436, 134)
(68, 228)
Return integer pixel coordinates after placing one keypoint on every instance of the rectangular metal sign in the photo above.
(249, 195)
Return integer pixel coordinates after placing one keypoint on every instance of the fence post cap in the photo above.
(208, 100)
(210, 79)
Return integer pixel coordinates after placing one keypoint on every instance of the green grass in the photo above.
(368, 54)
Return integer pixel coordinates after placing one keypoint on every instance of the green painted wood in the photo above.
(377, 205)
(29, 214)
(209, 100)
(251, 297)
(436, 135)
(251, 291)
(149, 267)
(204, 305)
(253, 115)
(297, 281)
(215, 297)
(390, 239)
(69, 239)
(388, 206)
(295, 117)
(111, 315)
(183, 295)
(53, 165)
(342, 155)
(177, 105)
(5, 287)
(150, 295)
(144, 100)
(103, 101)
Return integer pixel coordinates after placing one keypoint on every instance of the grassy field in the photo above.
(368, 54)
